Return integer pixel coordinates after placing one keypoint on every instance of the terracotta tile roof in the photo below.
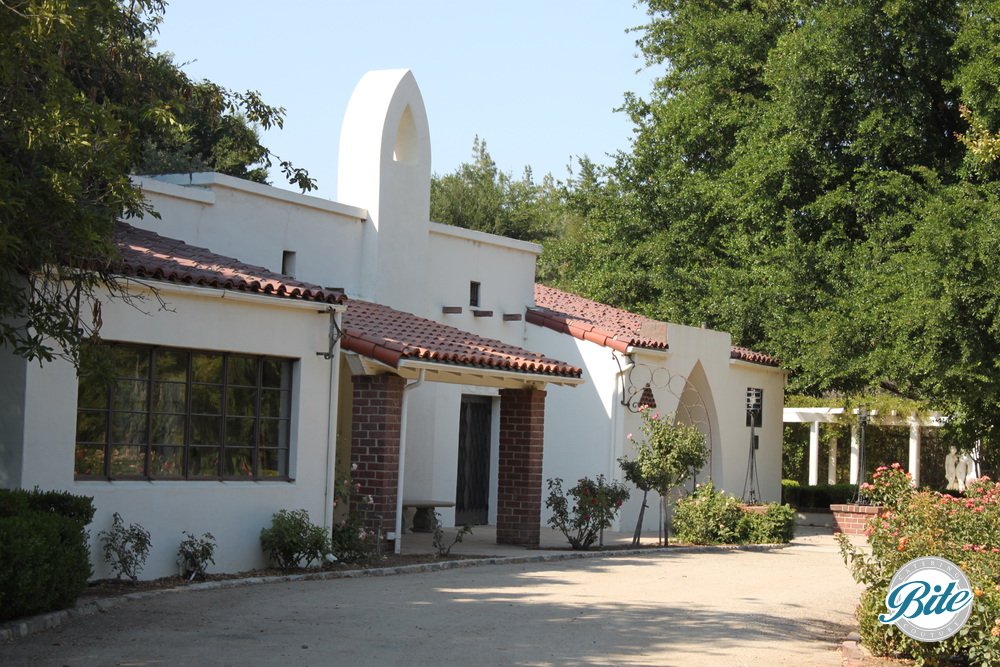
(145, 254)
(390, 335)
(609, 326)
(371, 329)
(589, 320)
(753, 357)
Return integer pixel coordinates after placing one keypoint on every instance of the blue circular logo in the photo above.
(929, 599)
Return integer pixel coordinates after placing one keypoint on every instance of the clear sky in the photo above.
(537, 79)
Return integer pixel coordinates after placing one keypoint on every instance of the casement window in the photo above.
(156, 413)
(474, 294)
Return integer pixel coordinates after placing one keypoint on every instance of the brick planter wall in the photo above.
(852, 519)
(375, 421)
(519, 497)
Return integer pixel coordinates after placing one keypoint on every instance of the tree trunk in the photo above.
(638, 523)
(666, 520)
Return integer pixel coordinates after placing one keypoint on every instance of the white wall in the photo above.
(586, 428)
(432, 445)
(582, 432)
(770, 434)
(234, 512)
(13, 370)
(504, 268)
(257, 223)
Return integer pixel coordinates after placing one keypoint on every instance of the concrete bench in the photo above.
(418, 515)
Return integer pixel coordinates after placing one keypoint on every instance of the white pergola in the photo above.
(815, 416)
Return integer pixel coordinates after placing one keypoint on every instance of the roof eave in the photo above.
(458, 374)
(756, 365)
(254, 298)
(485, 377)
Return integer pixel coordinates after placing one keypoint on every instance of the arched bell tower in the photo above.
(385, 167)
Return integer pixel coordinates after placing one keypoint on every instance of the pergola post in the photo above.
(855, 453)
(914, 453)
(813, 453)
(831, 473)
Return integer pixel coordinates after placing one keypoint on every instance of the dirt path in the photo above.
(789, 606)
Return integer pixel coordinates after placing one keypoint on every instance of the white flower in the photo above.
(354, 467)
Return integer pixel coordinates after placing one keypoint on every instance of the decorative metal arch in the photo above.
(638, 384)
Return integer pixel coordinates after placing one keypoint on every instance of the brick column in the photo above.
(375, 421)
(519, 497)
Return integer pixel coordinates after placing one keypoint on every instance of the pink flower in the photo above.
(629, 436)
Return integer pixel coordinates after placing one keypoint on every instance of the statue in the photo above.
(970, 471)
(951, 469)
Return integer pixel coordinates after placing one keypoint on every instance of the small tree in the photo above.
(633, 473)
(669, 454)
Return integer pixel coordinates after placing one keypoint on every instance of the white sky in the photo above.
(538, 80)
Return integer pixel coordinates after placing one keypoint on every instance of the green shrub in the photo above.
(966, 531)
(441, 546)
(194, 554)
(15, 502)
(44, 558)
(292, 539)
(818, 496)
(350, 540)
(125, 548)
(775, 525)
(708, 517)
(712, 517)
(586, 509)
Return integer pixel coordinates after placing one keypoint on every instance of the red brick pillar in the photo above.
(519, 497)
(375, 421)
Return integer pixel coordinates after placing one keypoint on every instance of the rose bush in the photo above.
(586, 509)
(964, 530)
(890, 486)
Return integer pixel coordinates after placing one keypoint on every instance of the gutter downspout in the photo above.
(617, 420)
(331, 419)
(410, 386)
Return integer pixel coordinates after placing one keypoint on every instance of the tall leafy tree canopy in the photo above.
(478, 195)
(820, 179)
(84, 102)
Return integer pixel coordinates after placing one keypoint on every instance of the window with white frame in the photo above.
(156, 413)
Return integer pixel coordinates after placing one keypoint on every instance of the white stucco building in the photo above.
(357, 331)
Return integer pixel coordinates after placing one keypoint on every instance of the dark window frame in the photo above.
(151, 382)
(474, 293)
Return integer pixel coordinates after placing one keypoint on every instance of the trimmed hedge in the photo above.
(44, 556)
(713, 517)
(819, 496)
(775, 525)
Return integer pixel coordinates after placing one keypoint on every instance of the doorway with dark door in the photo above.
(472, 495)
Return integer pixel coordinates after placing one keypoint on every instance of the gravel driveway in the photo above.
(788, 606)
